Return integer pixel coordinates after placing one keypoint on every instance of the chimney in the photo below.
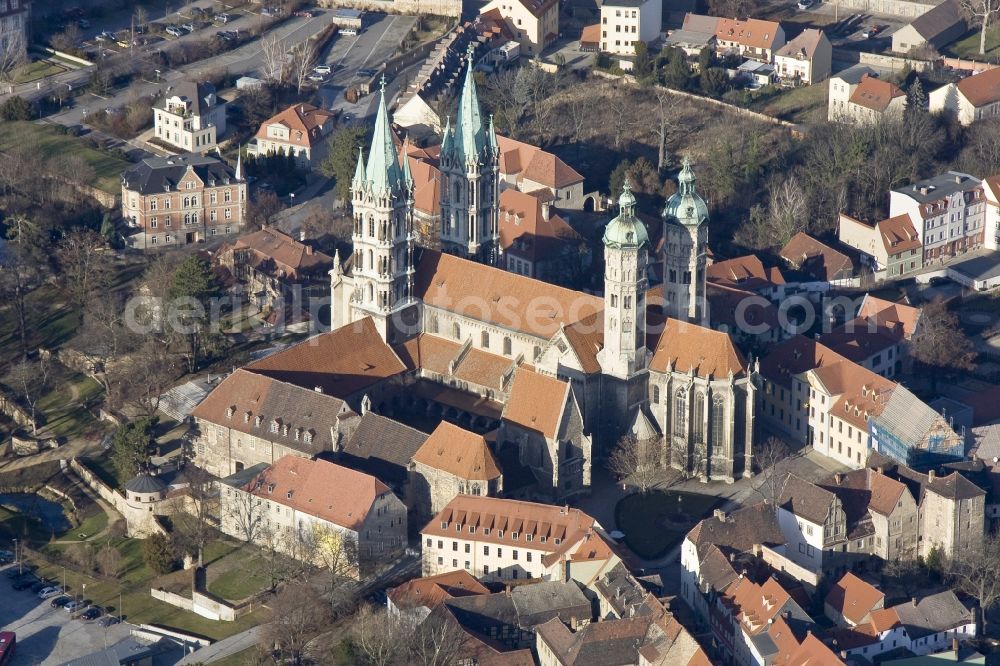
(787, 615)
(302, 109)
(930, 475)
(572, 622)
(302, 235)
(545, 210)
(263, 226)
(958, 178)
(838, 478)
(720, 515)
(913, 600)
(318, 389)
(309, 250)
(880, 469)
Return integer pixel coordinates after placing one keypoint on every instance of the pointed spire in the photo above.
(470, 135)
(383, 164)
(686, 179)
(337, 268)
(407, 176)
(446, 137)
(239, 164)
(359, 172)
(493, 136)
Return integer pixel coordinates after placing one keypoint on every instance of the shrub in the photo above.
(158, 554)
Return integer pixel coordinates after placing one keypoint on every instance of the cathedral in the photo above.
(565, 373)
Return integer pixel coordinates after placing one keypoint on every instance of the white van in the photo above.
(349, 31)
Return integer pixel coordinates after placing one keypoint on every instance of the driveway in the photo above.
(47, 636)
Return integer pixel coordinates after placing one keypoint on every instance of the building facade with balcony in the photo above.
(190, 117)
(948, 212)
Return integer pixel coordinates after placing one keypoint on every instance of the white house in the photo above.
(807, 59)
(625, 22)
(190, 117)
(970, 99)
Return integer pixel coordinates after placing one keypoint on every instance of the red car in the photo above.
(304, 13)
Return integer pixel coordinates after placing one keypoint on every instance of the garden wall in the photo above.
(10, 408)
(438, 7)
(900, 8)
(140, 521)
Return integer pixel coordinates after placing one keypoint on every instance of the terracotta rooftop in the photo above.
(532, 163)
(887, 313)
(281, 255)
(430, 591)
(981, 89)
(898, 234)
(853, 598)
(750, 33)
(490, 294)
(875, 94)
(859, 392)
(795, 356)
(336, 494)
(537, 402)
(458, 452)
(804, 45)
(444, 357)
(341, 362)
(591, 34)
(747, 272)
(261, 406)
(525, 231)
(307, 125)
(684, 347)
(817, 258)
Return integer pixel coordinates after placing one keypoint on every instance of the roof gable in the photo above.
(458, 452)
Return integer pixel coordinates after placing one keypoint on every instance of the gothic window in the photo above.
(536, 352)
(673, 275)
(371, 227)
(432, 324)
(614, 300)
(698, 427)
(680, 413)
(371, 293)
(627, 302)
(371, 260)
(506, 346)
(687, 277)
(485, 342)
(456, 330)
(718, 423)
(656, 394)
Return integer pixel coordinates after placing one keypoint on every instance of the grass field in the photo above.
(66, 414)
(50, 320)
(238, 583)
(968, 46)
(642, 518)
(804, 104)
(38, 69)
(47, 142)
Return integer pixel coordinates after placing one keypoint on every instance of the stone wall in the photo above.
(141, 522)
(900, 8)
(10, 408)
(438, 7)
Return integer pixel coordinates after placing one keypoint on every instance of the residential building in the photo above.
(893, 246)
(453, 461)
(934, 29)
(502, 539)
(872, 100)
(535, 23)
(948, 211)
(536, 241)
(190, 117)
(806, 59)
(814, 524)
(817, 260)
(300, 130)
(275, 269)
(530, 169)
(747, 273)
(912, 433)
(15, 24)
(691, 42)
(755, 39)
(304, 506)
(189, 198)
(842, 86)
(625, 22)
(851, 601)
(419, 596)
(991, 232)
(970, 99)
(878, 338)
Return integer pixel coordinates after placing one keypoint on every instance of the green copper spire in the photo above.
(470, 135)
(407, 176)
(493, 136)
(446, 137)
(383, 171)
(359, 172)
(686, 206)
(626, 230)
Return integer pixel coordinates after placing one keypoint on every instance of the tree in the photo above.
(916, 98)
(438, 640)
(375, 635)
(303, 59)
(342, 159)
(13, 56)
(636, 461)
(770, 461)
(109, 561)
(677, 74)
(975, 570)
(146, 375)
(193, 522)
(130, 447)
(272, 52)
(141, 17)
(84, 264)
(706, 57)
(243, 512)
(21, 268)
(158, 554)
(668, 125)
(643, 66)
(335, 554)
(16, 108)
(191, 289)
(263, 209)
(298, 615)
(68, 40)
(939, 344)
(30, 381)
(714, 81)
(81, 554)
(981, 13)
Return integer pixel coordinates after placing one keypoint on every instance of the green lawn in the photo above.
(104, 470)
(91, 526)
(38, 69)
(238, 583)
(66, 417)
(50, 320)
(968, 46)
(14, 525)
(47, 143)
(803, 104)
(654, 522)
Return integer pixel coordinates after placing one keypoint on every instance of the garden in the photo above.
(656, 521)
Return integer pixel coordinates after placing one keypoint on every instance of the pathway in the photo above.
(113, 515)
(227, 647)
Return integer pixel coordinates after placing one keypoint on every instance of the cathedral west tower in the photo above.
(685, 239)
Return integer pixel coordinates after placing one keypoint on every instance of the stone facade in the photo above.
(431, 489)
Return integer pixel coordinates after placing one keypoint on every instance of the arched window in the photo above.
(371, 260)
(485, 340)
(506, 346)
(718, 432)
(456, 331)
(371, 293)
(432, 324)
(656, 394)
(698, 426)
(680, 413)
(371, 227)
(536, 352)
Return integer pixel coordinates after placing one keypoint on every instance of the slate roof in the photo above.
(383, 447)
(806, 500)
(620, 589)
(611, 643)
(932, 614)
(540, 602)
(738, 531)
(157, 175)
(197, 94)
(938, 20)
(144, 483)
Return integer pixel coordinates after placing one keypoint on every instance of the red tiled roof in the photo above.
(981, 89)
(289, 256)
(685, 347)
(535, 164)
(536, 402)
(819, 259)
(458, 452)
(430, 591)
(306, 124)
(875, 94)
(898, 234)
(525, 231)
(853, 598)
(747, 272)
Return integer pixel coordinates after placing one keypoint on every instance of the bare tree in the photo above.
(438, 640)
(193, 522)
(109, 561)
(30, 381)
(13, 55)
(668, 124)
(20, 268)
(976, 571)
(376, 635)
(141, 17)
(337, 555)
(298, 615)
(619, 105)
(939, 343)
(147, 375)
(303, 60)
(83, 263)
(637, 462)
(68, 40)
(273, 53)
(770, 461)
(981, 13)
(242, 510)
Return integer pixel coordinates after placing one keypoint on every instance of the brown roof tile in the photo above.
(795, 356)
(747, 272)
(750, 33)
(817, 258)
(804, 45)
(281, 255)
(430, 591)
(535, 164)
(458, 452)
(875, 94)
(306, 123)
(537, 402)
(898, 234)
(853, 598)
(685, 347)
(981, 89)
(526, 232)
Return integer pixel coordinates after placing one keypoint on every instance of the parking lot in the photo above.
(47, 635)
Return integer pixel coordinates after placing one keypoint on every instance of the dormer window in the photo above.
(458, 527)
(270, 488)
(557, 541)
(307, 437)
(289, 495)
(499, 534)
(542, 539)
(444, 524)
(513, 536)
(274, 426)
(486, 531)
(256, 421)
(298, 433)
(229, 412)
(472, 529)
(284, 429)
(246, 417)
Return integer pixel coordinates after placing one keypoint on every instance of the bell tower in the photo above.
(382, 197)
(685, 239)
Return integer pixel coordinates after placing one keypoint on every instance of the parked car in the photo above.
(366, 73)
(109, 620)
(322, 69)
(174, 30)
(305, 13)
(40, 585)
(59, 602)
(190, 27)
(6, 556)
(227, 35)
(91, 613)
(106, 36)
(939, 280)
(74, 606)
(271, 11)
(806, 4)
(317, 78)
(223, 18)
(49, 592)
(83, 23)
(349, 31)
(871, 32)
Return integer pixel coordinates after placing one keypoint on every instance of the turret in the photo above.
(685, 233)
